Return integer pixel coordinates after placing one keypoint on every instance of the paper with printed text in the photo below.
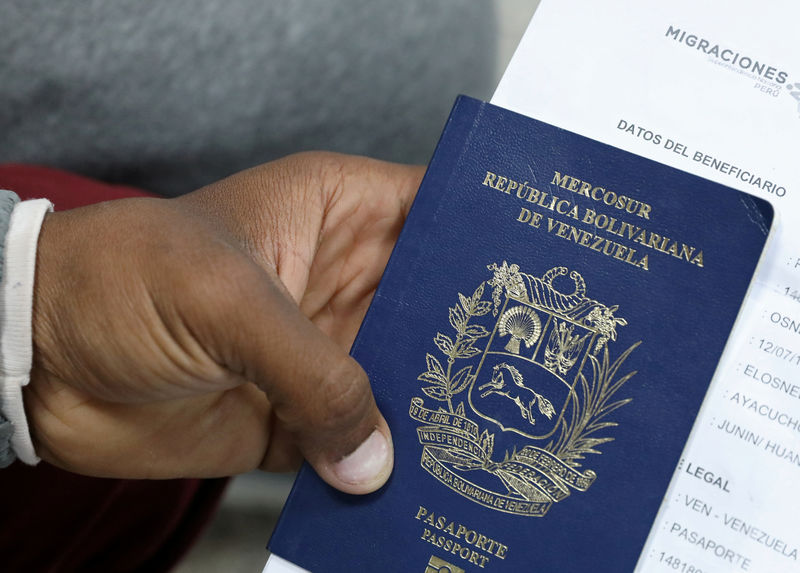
(714, 89)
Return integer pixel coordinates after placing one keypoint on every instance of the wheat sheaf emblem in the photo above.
(521, 324)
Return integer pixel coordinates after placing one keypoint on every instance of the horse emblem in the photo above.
(518, 393)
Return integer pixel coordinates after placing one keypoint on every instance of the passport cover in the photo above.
(540, 344)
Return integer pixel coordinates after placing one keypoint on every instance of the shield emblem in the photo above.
(527, 380)
(529, 368)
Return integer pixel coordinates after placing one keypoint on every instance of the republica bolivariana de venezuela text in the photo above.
(616, 217)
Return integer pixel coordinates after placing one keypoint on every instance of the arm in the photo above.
(207, 335)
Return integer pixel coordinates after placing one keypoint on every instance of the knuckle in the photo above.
(345, 396)
(323, 173)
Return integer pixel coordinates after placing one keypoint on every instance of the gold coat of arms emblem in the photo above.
(530, 361)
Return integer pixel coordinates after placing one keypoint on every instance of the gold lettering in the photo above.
(573, 213)
(632, 205)
(560, 180)
(563, 228)
(598, 244)
(599, 193)
(565, 208)
(687, 252)
(673, 250)
(533, 218)
(632, 230)
(542, 197)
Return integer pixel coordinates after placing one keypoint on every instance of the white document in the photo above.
(712, 88)
(277, 565)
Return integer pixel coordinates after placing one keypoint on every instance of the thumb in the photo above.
(320, 396)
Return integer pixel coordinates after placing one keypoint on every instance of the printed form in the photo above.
(711, 88)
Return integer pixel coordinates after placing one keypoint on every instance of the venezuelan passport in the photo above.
(540, 344)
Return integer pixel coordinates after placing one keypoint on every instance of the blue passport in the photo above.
(540, 344)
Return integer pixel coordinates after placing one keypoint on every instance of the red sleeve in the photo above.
(64, 189)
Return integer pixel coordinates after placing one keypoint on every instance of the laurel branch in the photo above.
(590, 411)
(444, 384)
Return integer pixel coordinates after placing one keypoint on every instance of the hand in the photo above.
(208, 335)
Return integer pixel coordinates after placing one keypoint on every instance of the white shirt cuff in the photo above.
(16, 309)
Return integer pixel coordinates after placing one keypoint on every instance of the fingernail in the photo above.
(367, 463)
